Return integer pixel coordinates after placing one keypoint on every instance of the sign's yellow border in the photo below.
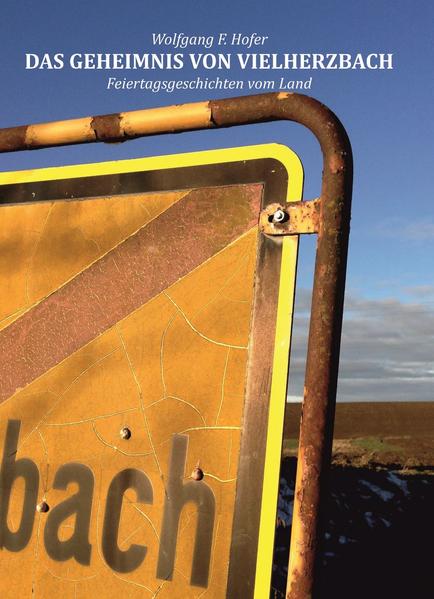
(284, 311)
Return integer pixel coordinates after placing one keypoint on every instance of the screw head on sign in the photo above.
(125, 433)
(280, 216)
(42, 507)
(197, 474)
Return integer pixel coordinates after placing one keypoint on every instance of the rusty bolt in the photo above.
(197, 474)
(42, 507)
(125, 433)
(280, 216)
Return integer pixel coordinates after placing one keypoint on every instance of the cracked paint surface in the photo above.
(174, 365)
(43, 245)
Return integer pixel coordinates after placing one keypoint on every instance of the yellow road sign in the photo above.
(145, 335)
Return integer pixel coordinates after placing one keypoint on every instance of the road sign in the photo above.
(144, 351)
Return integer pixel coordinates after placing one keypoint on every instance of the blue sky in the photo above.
(388, 115)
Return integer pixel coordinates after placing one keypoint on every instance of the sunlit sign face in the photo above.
(143, 358)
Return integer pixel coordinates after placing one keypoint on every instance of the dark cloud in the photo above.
(387, 350)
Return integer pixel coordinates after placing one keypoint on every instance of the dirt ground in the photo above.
(374, 434)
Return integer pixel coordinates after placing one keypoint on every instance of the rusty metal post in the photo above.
(316, 428)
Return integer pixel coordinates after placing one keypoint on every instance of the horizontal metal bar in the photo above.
(108, 128)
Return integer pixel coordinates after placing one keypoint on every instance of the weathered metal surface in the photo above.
(295, 218)
(104, 416)
(121, 281)
(329, 281)
(164, 359)
(109, 128)
(57, 133)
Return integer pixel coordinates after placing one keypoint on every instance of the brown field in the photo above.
(375, 434)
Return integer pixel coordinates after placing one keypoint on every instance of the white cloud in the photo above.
(416, 230)
(294, 398)
(387, 350)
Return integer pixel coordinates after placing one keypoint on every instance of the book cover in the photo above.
(370, 63)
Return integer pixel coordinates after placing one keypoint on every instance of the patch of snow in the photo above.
(343, 540)
(399, 482)
(385, 495)
(285, 489)
(370, 519)
(386, 522)
(284, 510)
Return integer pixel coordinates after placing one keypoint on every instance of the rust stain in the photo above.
(107, 128)
(298, 218)
(13, 138)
